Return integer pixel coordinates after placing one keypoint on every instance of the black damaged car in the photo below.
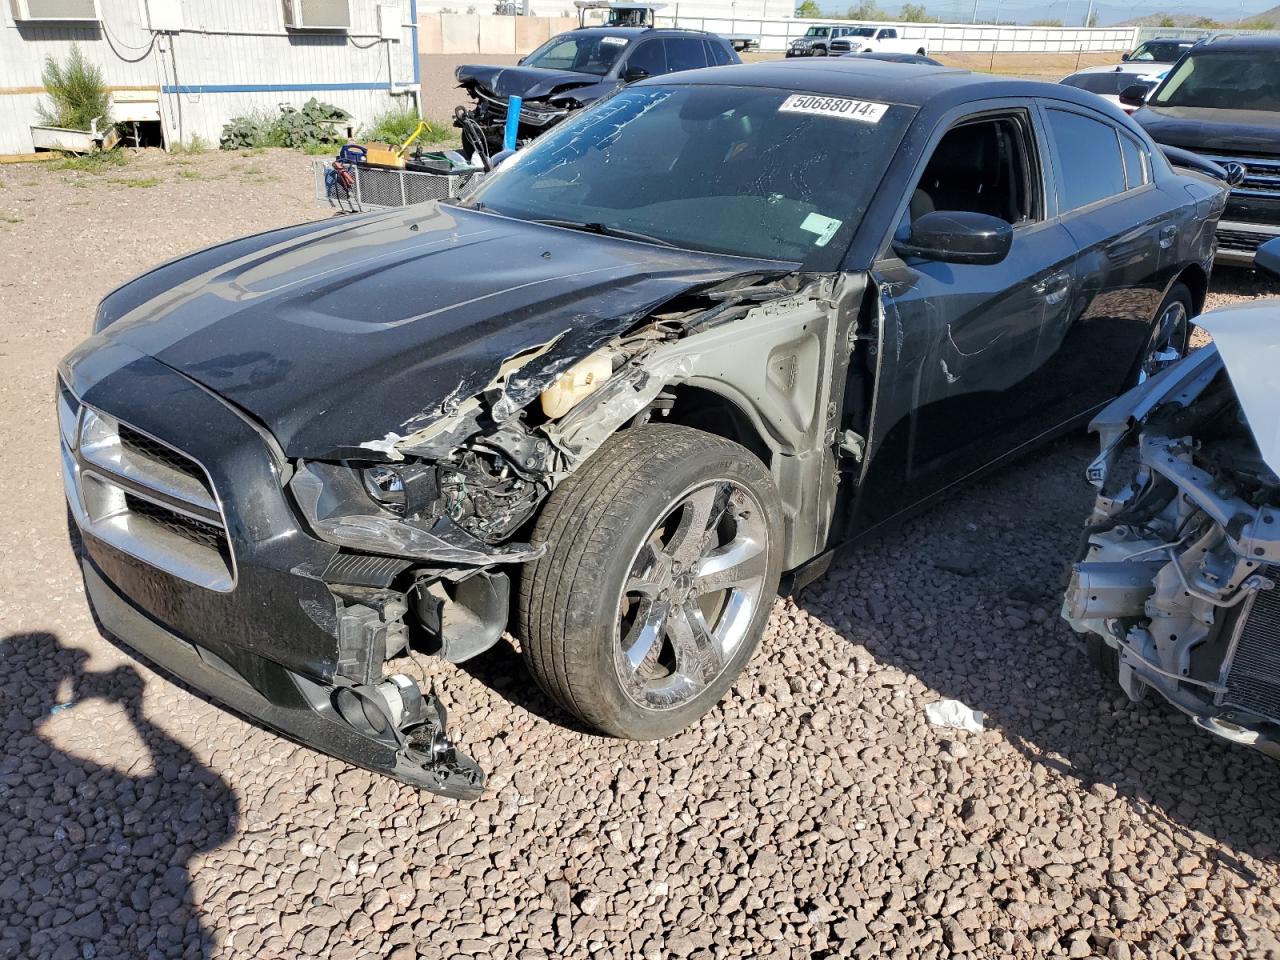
(575, 69)
(614, 397)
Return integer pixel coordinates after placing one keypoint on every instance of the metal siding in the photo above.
(224, 43)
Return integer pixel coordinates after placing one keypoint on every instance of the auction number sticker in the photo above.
(862, 110)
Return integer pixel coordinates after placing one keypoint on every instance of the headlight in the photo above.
(385, 487)
(402, 488)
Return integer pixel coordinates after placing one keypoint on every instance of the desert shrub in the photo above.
(395, 126)
(77, 93)
(294, 128)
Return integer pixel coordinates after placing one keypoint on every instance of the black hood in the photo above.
(1218, 131)
(530, 83)
(335, 335)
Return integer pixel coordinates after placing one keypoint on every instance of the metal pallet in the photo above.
(380, 189)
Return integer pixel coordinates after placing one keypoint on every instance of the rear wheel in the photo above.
(1170, 334)
(661, 566)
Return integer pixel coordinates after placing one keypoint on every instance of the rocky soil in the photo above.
(814, 814)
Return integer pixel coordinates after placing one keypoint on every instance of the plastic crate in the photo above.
(376, 188)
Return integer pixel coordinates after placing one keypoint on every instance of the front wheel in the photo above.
(663, 558)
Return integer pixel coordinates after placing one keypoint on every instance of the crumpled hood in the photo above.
(1248, 340)
(336, 334)
(1219, 131)
(527, 82)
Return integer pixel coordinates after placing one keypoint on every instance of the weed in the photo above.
(396, 126)
(92, 162)
(77, 93)
(5, 219)
(140, 182)
(190, 175)
(315, 123)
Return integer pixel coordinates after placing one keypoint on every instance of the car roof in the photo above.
(910, 84)
(1249, 43)
(603, 31)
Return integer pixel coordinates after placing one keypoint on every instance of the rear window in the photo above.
(1091, 167)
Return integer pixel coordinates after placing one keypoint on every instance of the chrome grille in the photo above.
(1253, 679)
(1241, 240)
(1262, 174)
(143, 496)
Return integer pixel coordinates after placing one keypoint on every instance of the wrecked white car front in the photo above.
(1178, 589)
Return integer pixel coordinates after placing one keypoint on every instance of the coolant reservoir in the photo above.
(577, 382)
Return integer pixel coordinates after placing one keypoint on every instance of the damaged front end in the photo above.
(546, 99)
(1178, 589)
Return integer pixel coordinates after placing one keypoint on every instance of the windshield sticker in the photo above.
(614, 41)
(824, 227)
(861, 110)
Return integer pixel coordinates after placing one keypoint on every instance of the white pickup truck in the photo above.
(833, 41)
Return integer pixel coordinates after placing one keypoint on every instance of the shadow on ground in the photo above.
(966, 598)
(94, 860)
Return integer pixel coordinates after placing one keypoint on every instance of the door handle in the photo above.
(1168, 233)
(1054, 289)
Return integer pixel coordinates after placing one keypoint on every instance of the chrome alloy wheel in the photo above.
(693, 588)
(1168, 341)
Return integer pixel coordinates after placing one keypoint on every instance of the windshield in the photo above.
(817, 31)
(1224, 80)
(749, 171)
(595, 54)
(1159, 51)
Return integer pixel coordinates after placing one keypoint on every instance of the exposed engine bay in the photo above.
(1178, 587)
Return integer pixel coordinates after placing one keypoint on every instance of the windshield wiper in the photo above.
(603, 230)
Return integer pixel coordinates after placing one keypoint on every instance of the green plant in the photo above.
(295, 128)
(1046, 23)
(197, 144)
(1166, 21)
(865, 10)
(141, 182)
(809, 9)
(915, 13)
(77, 93)
(93, 162)
(396, 126)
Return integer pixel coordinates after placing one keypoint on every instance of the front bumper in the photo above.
(271, 638)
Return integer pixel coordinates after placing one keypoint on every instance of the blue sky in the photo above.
(1072, 11)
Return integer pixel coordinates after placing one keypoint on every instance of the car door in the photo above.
(1126, 229)
(967, 350)
(887, 34)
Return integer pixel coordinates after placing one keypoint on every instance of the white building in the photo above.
(191, 65)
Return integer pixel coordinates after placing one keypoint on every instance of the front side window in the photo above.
(750, 171)
(649, 57)
(582, 54)
(888, 34)
(818, 32)
(1091, 166)
(982, 166)
(1223, 80)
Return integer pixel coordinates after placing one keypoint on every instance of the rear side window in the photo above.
(685, 53)
(719, 54)
(1091, 165)
(1137, 166)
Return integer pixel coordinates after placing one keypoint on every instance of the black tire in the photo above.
(1104, 657)
(1178, 294)
(569, 601)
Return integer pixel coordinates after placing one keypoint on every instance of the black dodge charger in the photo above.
(671, 356)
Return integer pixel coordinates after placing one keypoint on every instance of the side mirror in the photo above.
(1267, 258)
(1124, 56)
(957, 236)
(635, 73)
(1134, 95)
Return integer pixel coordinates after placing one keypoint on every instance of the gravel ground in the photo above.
(814, 814)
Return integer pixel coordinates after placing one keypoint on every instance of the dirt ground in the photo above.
(813, 814)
